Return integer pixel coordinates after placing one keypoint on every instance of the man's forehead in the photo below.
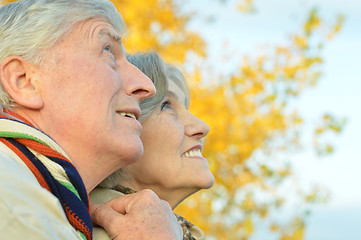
(99, 27)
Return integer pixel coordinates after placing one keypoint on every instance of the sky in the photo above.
(337, 92)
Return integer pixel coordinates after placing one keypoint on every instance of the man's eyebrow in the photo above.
(115, 37)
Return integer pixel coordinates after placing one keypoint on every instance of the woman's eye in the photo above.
(165, 105)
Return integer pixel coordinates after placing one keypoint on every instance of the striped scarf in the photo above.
(51, 167)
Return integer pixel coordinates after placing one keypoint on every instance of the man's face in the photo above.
(91, 94)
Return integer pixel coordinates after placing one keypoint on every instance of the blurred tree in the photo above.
(158, 25)
(254, 131)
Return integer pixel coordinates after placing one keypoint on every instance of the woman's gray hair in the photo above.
(152, 65)
(175, 75)
(31, 28)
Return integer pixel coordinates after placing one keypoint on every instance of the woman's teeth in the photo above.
(193, 153)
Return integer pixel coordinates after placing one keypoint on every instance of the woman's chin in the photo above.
(206, 182)
(210, 183)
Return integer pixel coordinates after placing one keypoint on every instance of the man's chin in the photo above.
(134, 154)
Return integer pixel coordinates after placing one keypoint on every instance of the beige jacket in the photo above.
(103, 195)
(28, 211)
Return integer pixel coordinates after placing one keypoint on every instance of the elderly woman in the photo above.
(172, 164)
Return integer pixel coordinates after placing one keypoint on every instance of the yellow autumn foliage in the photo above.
(247, 114)
(156, 25)
(246, 6)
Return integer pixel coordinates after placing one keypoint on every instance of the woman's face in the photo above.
(172, 164)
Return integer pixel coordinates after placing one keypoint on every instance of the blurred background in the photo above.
(278, 83)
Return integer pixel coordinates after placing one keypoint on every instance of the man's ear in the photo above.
(20, 81)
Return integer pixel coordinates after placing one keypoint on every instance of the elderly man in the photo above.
(69, 118)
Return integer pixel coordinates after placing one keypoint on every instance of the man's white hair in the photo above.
(30, 28)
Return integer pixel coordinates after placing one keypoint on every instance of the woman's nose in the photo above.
(196, 127)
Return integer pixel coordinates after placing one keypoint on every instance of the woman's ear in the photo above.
(19, 80)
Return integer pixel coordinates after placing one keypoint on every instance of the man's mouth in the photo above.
(130, 115)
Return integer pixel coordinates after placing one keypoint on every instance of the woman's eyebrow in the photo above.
(177, 97)
(173, 94)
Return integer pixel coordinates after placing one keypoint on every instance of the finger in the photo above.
(107, 218)
(102, 214)
(166, 205)
(123, 204)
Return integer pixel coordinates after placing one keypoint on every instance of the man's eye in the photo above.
(107, 49)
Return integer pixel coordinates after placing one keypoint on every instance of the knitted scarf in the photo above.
(51, 167)
(185, 224)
